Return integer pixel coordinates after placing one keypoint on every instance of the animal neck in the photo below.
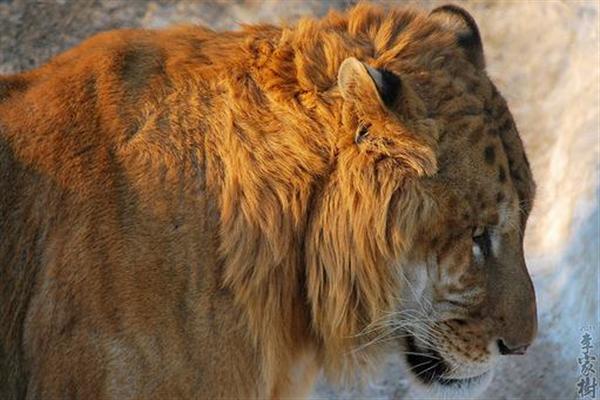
(272, 156)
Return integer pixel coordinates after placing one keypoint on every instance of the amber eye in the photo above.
(481, 238)
(362, 132)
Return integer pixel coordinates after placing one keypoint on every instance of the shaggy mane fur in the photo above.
(319, 216)
(314, 188)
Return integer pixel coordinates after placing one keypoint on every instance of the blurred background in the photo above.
(545, 58)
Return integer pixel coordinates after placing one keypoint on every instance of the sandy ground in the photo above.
(544, 56)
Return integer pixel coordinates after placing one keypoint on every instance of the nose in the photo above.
(511, 350)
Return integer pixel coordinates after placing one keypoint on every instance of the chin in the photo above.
(430, 378)
(464, 388)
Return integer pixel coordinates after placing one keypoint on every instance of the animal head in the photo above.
(418, 237)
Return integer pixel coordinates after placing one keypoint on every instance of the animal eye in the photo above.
(362, 132)
(481, 238)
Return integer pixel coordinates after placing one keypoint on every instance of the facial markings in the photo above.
(491, 199)
(491, 202)
(518, 165)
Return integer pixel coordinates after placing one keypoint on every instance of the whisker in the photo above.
(430, 368)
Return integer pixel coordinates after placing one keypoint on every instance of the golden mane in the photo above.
(298, 217)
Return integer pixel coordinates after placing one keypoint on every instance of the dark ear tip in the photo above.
(389, 85)
(463, 24)
(392, 87)
(460, 12)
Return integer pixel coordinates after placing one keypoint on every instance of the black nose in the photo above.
(507, 350)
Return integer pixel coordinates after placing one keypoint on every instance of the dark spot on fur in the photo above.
(516, 175)
(489, 154)
(499, 197)
(501, 174)
(507, 125)
(466, 216)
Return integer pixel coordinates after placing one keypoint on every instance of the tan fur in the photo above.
(186, 214)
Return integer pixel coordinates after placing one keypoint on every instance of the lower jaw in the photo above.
(446, 388)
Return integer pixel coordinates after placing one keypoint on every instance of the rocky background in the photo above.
(544, 56)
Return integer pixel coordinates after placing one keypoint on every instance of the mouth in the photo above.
(430, 368)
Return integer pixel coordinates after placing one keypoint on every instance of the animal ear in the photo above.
(357, 80)
(462, 24)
